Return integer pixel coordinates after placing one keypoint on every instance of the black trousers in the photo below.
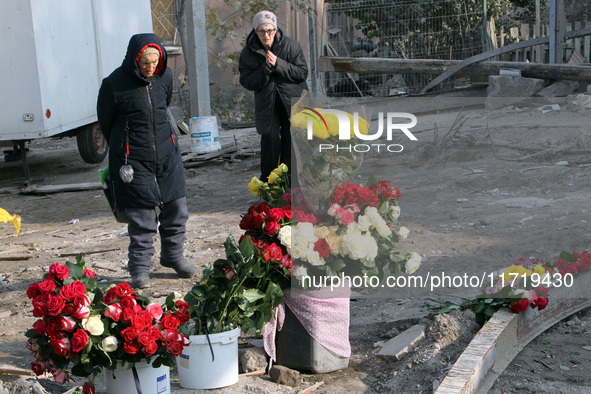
(143, 225)
(276, 146)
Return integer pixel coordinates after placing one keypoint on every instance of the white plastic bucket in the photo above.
(152, 380)
(197, 371)
(204, 134)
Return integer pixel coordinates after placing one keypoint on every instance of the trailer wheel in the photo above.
(91, 144)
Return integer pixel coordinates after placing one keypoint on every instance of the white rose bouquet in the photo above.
(355, 236)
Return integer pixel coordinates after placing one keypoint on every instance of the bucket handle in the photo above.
(208, 342)
(136, 379)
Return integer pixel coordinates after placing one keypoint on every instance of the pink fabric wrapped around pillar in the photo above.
(325, 319)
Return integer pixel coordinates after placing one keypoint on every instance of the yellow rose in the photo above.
(282, 169)
(254, 185)
(334, 243)
(93, 325)
(110, 344)
(273, 177)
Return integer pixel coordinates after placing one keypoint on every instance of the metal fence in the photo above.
(408, 29)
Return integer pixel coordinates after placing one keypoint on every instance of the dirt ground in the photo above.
(479, 189)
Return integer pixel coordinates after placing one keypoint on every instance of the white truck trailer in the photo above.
(54, 56)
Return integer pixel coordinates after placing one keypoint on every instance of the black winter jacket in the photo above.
(132, 110)
(287, 78)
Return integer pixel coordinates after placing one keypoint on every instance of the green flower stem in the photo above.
(231, 297)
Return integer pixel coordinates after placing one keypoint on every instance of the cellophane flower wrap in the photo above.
(355, 236)
(325, 160)
(243, 289)
(83, 327)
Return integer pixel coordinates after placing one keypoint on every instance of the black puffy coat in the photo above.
(287, 78)
(132, 109)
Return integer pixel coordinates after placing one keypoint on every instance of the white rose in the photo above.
(285, 237)
(370, 211)
(93, 325)
(364, 223)
(321, 232)
(413, 263)
(356, 246)
(384, 230)
(403, 232)
(352, 228)
(314, 257)
(110, 344)
(299, 250)
(377, 220)
(300, 272)
(305, 232)
(394, 212)
(371, 248)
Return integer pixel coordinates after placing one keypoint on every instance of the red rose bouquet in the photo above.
(244, 288)
(83, 328)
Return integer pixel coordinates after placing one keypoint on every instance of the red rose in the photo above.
(366, 196)
(79, 287)
(184, 340)
(67, 293)
(127, 314)
(88, 388)
(180, 304)
(154, 333)
(182, 315)
(540, 303)
(61, 272)
(61, 345)
(33, 291)
(139, 322)
(300, 216)
(287, 212)
(128, 302)
(39, 327)
(519, 306)
(263, 207)
(40, 305)
(79, 340)
(175, 348)
(55, 305)
(169, 322)
(256, 221)
(129, 334)
(114, 312)
(89, 274)
(110, 296)
(310, 218)
(52, 328)
(131, 347)
(321, 246)
(395, 193)
(169, 335)
(122, 290)
(271, 228)
(145, 338)
(38, 368)
(47, 286)
(275, 214)
(150, 348)
(245, 223)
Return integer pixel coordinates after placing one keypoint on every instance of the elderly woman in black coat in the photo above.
(146, 170)
(274, 67)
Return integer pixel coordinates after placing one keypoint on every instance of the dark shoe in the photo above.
(140, 281)
(183, 268)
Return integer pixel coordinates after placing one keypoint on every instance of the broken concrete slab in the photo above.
(402, 344)
(505, 90)
(559, 89)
